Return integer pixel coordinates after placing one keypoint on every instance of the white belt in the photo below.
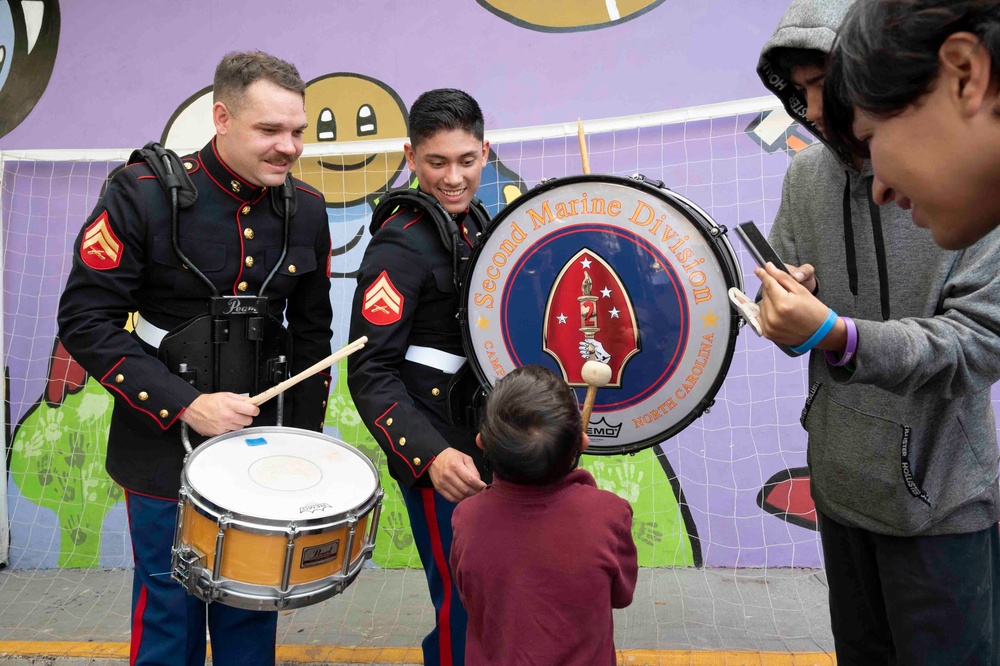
(435, 358)
(148, 333)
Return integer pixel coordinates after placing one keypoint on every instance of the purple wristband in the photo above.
(849, 350)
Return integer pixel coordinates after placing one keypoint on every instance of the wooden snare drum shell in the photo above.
(259, 559)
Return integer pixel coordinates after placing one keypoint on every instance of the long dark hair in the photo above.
(531, 430)
(885, 58)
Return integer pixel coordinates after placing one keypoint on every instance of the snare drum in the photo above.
(273, 518)
(618, 268)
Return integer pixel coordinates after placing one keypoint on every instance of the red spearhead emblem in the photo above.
(383, 304)
(589, 311)
(100, 248)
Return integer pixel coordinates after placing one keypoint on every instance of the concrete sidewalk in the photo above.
(71, 617)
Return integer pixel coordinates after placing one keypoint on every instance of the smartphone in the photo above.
(757, 245)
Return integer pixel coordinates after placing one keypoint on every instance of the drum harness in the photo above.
(263, 334)
(466, 395)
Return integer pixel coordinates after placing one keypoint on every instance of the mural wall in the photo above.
(729, 490)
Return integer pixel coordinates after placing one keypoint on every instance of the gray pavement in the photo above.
(757, 610)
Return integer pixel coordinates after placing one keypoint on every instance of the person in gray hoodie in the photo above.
(904, 347)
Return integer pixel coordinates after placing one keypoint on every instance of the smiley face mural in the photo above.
(352, 107)
(568, 15)
(29, 35)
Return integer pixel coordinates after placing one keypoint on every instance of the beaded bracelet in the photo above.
(817, 337)
(849, 350)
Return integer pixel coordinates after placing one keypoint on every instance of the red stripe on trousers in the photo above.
(444, 620)
(140, 607)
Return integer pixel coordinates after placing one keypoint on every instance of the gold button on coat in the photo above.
(164, 413)
(435, 391)
(143, 395)
(291, 268)
(248, 233)
(242, 286)
(388, 421)
(249, 262)
(402, 441)
(416, 461)
(246, 210)
(119, 379)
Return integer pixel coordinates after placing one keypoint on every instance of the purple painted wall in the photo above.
(123, 67)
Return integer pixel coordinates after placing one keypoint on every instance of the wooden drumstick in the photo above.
(583, 146)
(597, 375)
(343, 352)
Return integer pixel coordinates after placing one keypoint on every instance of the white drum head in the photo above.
(281, 474)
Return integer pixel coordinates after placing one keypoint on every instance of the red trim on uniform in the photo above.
(145, 177)
(302, 189)
(140, 607)
(156, 497)
(409, 224)
(393, 444)
(465, 236)
(197, 163)
(437, 548)
(226, 166)
(219, 185)
(114, 387)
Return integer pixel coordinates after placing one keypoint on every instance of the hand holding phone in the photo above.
(757, 245)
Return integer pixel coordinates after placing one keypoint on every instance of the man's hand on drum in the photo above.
(789, 313)
(454, 475)
(215, 413)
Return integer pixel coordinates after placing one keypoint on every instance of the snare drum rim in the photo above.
(272, 526)
(721, 248)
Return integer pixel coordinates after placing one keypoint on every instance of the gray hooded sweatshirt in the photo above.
(906, 444)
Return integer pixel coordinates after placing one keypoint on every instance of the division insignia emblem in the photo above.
(589, 312)
(100, 248)
(615, 270)
(383, 304)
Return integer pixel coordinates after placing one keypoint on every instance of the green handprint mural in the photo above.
(57, 460)
(658, 526)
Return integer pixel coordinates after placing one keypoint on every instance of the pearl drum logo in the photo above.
(615, 270)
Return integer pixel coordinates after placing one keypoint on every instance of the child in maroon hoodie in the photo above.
(542, 555)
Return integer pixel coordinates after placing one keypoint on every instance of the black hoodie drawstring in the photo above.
(883, 268)
(852, 259)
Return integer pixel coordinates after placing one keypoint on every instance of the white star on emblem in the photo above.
(585, 263)
(606, 293)
(613, 312)
(561, 318)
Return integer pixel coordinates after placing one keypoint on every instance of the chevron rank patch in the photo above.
(100, 248)
(383, 304)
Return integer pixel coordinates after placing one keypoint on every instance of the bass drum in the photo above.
(616, 269)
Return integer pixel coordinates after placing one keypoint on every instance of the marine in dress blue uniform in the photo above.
(123, 262)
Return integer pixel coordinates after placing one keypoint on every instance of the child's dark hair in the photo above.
(885, 57)
(531, 431)
(444, 109)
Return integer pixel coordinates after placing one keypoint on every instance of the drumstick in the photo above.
(583, 146)
(343, 352)
(596, 374)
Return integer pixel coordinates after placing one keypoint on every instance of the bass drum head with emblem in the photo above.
(614, 269)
